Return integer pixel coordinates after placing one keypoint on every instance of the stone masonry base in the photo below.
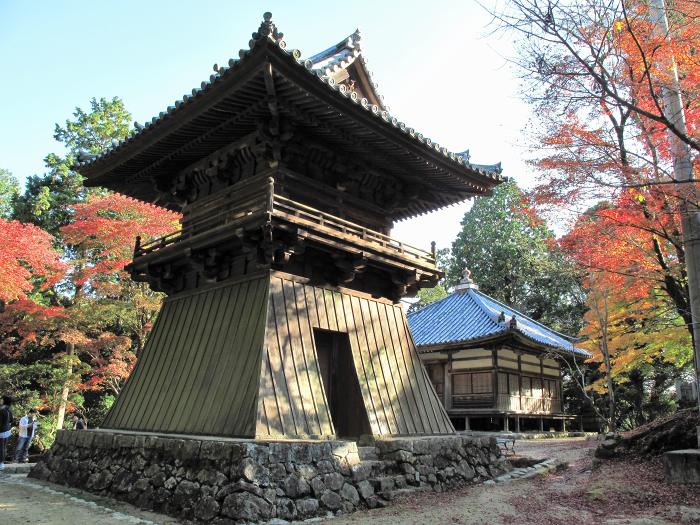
(224, 481)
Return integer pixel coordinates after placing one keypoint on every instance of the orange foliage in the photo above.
(27, 258)
(104, 229)
(626, 241)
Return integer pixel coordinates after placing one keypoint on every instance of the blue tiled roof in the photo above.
(468, 315)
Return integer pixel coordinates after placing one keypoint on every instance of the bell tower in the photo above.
(282, 317)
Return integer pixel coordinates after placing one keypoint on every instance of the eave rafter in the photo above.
(232, 121)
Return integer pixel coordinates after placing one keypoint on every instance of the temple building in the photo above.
(492, 367)
(282, 317)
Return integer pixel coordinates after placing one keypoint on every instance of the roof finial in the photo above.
(513, 324)
(356, 38)
(466, 283)
(267, 29)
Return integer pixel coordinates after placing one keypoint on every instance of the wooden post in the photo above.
(466, 423)
(448, 383)
(563, 424)
(541, 424)
(505, 423)
(517, 423)
(520, 384)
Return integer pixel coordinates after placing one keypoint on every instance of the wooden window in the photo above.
(513, 385)
(547, 389)
(481, 383)
(502, 383)
(537, 387)
(527, 386)
(461, 384)
(472, 383)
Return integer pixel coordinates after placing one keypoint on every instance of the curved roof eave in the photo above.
(269, 38)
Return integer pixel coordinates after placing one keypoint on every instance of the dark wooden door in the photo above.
(340, 384)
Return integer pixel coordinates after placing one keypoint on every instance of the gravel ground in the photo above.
(24, 500)
(618, 493)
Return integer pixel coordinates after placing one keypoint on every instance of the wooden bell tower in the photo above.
(282, 317)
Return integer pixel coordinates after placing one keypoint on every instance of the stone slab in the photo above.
(682, 466)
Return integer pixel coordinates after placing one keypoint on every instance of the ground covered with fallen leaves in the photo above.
(617, 492)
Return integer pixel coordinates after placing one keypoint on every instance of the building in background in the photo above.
(492, 367)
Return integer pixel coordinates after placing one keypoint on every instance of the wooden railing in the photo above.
(535, 405)
(256, 197)
(243, 200)
(300, 213)
(472, 400)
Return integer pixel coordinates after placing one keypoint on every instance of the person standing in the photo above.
(5, 427)
(79, 423)
(27, 430)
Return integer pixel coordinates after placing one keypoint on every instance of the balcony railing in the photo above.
(254, 200)
(529, 404)
(507, 403)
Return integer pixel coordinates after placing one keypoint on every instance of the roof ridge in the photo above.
(483, 307)
(523, 316)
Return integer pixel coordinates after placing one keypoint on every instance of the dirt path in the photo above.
(24, 500)
(575, 496)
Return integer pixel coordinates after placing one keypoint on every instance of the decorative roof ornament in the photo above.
(502, 317)
(267, 29)
(513, 323)
(466, 283)
(355, 40)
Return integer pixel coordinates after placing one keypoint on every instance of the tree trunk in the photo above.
(70, 350)
(609, 382)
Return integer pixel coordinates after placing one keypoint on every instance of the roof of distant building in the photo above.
(468, 315)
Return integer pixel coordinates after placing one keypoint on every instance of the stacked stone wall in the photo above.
(231, 481)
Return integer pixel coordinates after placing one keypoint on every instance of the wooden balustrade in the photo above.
(508, 403)
(256, 197)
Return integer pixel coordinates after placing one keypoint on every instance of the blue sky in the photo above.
(437, 64)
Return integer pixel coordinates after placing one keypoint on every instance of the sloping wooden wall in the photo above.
(199, 371)
(398, 396)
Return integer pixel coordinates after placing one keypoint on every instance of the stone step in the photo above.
(397, 493)
(17, 468)
(387, 483)
(368, 453)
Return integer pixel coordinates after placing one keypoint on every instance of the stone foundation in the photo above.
(228, 481)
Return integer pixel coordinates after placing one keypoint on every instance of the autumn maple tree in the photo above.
(74, 321)
(595, 73)
(27, 260)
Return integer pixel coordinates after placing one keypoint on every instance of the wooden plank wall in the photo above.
(199, 370)
(395, 388)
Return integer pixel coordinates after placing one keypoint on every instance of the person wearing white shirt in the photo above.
(27, 429)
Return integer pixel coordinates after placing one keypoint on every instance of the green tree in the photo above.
(514, 258)
(430, 295)
(48, 198)
(9, 190)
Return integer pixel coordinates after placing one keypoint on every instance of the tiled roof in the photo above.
(341, 56)
(269, 34)
(469, 315)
